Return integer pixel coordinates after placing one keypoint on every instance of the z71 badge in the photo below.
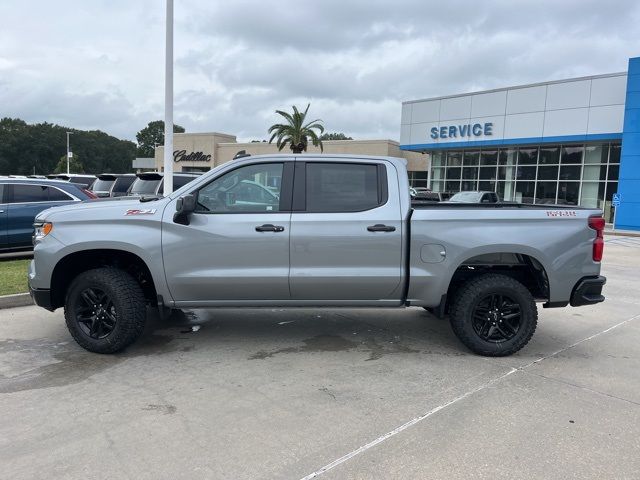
(135, 211)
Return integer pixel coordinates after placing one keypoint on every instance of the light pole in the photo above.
(68, 151)
(168, 103)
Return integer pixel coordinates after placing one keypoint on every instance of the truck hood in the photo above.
(103, 209)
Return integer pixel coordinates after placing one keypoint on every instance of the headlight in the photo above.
(41, 230)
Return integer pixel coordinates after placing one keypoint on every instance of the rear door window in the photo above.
(56, 195)
(30, 193)
(342, 187)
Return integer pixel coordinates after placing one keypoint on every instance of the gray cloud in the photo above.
(100, 64)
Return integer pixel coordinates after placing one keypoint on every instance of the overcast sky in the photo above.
(99, 64)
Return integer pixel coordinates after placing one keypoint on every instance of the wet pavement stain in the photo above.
(164, 409)
(60, 364)
(335, 343)
(319, 343)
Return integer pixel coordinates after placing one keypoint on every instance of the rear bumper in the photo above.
(588, 291)
(41, 297)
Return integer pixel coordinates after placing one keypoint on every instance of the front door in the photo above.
(236, 246)
(346, 235)
(3, 216)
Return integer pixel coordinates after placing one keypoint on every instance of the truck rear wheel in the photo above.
(494, 315)
(105, 310)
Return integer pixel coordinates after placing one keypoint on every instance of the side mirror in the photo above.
(185, 206)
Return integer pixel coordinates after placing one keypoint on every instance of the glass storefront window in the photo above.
(614, 154)
(438, 159)
(567, 174)
(506, 173)
(572, 154)
(454, 159)
(594, 172)
(548, 172)
(487, 186)
(468, 185)
(546, 192)
(549, 155)
(568, 193)
(526, 173)
(571, 172)
(589, 195)
(470, 173)
(596, 154)
(507, 156)
(453, 187)
(524, 192)
(453, 173)
(527, 156)
(471, 158)
(489, 157)
(488, 173)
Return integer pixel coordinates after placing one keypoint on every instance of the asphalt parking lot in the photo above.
(338, 394)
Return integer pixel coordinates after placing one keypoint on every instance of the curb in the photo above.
(622, 233)
(16, 300)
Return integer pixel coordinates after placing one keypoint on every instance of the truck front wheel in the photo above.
(494, 315)
(105, 310)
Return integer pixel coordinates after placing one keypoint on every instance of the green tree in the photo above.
(75, 165)
(151, 136)
(37, 148)
(334, 136)
(295, 131)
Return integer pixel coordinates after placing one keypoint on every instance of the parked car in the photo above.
(85, 180)
(343, 234)
(22, 199)
(113, 184)
(152, 183)
(420, 194)
(475, 197)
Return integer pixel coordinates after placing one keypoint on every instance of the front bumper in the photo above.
(588, 291)
(41, 297)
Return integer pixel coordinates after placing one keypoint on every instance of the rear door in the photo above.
(3, 216)
(346, 232)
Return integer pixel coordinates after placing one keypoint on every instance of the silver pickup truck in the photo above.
(313, 231)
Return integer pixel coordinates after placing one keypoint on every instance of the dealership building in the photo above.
(572, 142)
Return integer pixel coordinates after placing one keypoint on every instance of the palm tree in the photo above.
(296, 132)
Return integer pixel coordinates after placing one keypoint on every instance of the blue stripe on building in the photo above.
(516, 141)
(628, 214)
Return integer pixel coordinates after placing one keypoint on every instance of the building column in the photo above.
(628, 215)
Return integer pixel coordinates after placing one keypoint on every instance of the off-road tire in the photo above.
(464, 306)
(127, 299)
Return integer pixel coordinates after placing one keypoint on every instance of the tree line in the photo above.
(39, 148)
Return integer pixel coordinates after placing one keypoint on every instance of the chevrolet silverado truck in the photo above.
(313, 231)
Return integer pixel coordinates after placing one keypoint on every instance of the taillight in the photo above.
(89, 193)
(597, 224)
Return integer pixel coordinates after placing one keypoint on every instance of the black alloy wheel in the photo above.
(496, 318)
(95, 313)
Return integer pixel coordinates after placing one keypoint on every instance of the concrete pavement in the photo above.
(329, 393)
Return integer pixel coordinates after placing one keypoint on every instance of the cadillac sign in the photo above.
(181, 156)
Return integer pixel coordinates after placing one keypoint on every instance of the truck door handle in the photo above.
(267, 227)
(378, 227)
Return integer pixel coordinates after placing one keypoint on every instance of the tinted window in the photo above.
(141, 186)
(102, 185)
(122, 184)
(56, 195)
(341, 187)
(253, 188)
(180, 181)
(2, 200)
(30, 193)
